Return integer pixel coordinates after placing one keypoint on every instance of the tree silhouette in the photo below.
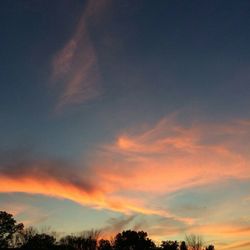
(84, 241)
(104, 245)
(27, 234)
(169, 245)
(132, 240)
(13, 235)
(40, 241)
(8, 228)
(210, 247)
(183, 246)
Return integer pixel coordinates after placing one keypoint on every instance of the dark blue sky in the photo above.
(154, 58)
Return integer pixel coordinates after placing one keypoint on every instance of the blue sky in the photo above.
(127, 114)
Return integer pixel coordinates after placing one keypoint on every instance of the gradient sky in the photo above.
(120, 114)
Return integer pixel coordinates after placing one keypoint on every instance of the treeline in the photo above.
(14, 235)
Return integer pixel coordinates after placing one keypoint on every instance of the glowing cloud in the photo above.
(57, 179)
(171, 156)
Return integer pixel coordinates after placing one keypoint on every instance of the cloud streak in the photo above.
(67, 181)
(181, 156)
(46, 177)
(75, 67)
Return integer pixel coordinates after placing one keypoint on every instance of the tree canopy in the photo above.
(8, 228)
(14, 235)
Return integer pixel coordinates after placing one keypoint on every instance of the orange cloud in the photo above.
(244, 245)
(57, 179)
(170, 156)
(95, 199)
(221, 230)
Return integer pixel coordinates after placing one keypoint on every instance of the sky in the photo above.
(127, 114)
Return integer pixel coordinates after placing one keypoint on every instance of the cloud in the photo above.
(237, 246)
(171, 156)
(14, 208)
(48, 177)
(136, 173)
(115, 225)
(64, 180)
(129, 174)
(156, 226)
(220, 229)
(75, 67)
(26, 213)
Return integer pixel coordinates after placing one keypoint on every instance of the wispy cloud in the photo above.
(183, 156)
(237, 246)
(67, 181)
(26, 213)
(14, 208)
(221, 229)
(115, 225)
(75, 66)
(45, 177)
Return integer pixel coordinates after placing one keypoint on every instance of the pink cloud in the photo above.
(181, 156)
(75, 66)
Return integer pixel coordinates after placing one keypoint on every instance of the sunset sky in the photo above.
(127, 114)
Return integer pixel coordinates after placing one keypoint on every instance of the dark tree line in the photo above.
(14, 235)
